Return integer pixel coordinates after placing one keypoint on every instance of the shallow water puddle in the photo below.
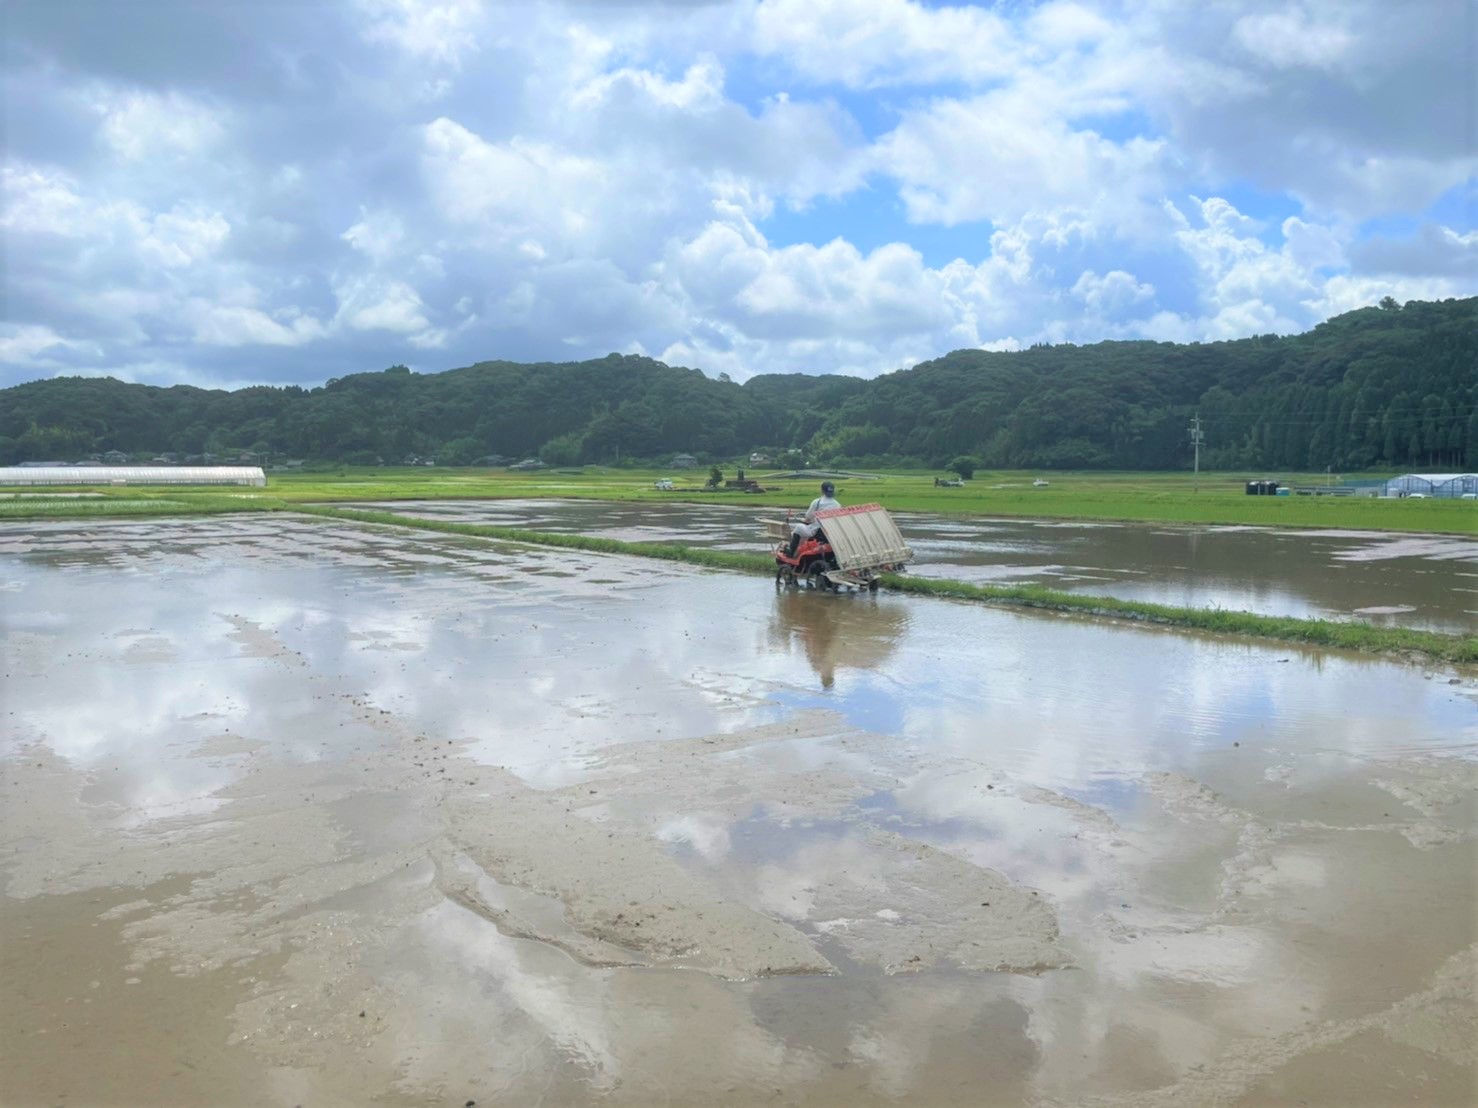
(1428, 581)
(629, 838)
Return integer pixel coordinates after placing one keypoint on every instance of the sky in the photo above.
(227, 193)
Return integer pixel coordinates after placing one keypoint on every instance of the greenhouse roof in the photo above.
(133, 475)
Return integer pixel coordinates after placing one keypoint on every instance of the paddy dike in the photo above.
(296, 812)
(1428, 582)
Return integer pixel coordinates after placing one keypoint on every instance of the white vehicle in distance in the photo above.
(664, 485)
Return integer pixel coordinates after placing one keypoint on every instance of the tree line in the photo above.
(1388, 386)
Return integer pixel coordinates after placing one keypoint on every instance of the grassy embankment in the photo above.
(1312, 632)
(1133, 497)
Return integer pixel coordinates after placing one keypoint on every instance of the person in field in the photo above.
(808, 526)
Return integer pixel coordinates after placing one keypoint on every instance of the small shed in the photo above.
(684, 461)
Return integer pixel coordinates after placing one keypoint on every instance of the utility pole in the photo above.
(1196, 438)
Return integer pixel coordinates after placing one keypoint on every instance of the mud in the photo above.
(295, 813)
(1426, 581)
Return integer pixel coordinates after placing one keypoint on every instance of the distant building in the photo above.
(529, 463)
(115, 458)
(684, 461)
(1435, 485)
(57, 474)
(757, 459)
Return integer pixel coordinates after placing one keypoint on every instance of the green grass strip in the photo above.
(1337, 634)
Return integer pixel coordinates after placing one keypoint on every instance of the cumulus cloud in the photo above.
(138, 125)
(238, 325)
(435, 30)
(865, 43)
(33, 346)
(1112, 292)
(745, 185)
(998, 158)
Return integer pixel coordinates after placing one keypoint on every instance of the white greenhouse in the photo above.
(132, 475)
(1435, 485)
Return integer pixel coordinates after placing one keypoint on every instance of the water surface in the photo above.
(296, 812)
(1426, 581)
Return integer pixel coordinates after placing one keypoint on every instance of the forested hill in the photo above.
(1388, 386)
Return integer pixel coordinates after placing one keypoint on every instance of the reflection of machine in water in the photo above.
(836, 632)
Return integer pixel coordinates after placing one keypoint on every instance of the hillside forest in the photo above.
(1388, 386)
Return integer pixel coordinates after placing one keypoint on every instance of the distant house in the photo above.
(529, 463)
(759, 459)
(684, 461)
(115, 458)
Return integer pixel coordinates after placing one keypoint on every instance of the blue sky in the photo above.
(230, 193)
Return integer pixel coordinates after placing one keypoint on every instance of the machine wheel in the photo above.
(816, 575)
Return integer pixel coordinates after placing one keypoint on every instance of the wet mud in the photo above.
(297, 813)
(1422, 581)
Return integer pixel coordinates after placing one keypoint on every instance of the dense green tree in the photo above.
(1395, 385)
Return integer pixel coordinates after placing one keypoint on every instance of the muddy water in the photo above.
(298, 814)
(1428, 581)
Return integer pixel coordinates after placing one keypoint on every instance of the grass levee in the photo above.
(1167, 498)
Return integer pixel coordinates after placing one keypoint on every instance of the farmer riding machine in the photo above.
(853, 548)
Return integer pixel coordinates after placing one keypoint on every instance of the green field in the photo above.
(1149, 497)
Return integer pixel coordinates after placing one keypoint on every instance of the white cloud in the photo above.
(140, 125)
(38, 199)
(1065, 23)
(182, 237)
(517, 188)
(738, 185)
(239, 325)
(31, 345)
(1111, 293)
(864, 43)
(371, 304)
(377, 235)
(701, 87)
(443, 31)
(998, 158)
(1290, 38)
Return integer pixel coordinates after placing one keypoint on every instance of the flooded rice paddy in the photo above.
(1424, 581)
(299, 813)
